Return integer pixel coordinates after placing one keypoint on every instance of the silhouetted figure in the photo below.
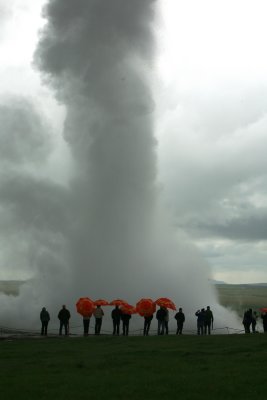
(98, 314)
(200, 321)
(147, 323)
(247, 320)
(116, 318)
(45, 318)
(125, 323)
(264, 322)
(208, 320)
(86, 324)
(64, 317)
(254, 318)
(161, 315)
(180, 318)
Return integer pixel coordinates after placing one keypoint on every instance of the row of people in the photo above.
(204, 316)
(117, 316)
(250, 321)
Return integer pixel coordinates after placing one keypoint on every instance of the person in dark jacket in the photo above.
(125, 323)
(116, 318)
(200, 314)
(208, 320)
(64, 317)
(86, 324)
(180, 318)
(45, 318)
(247, 320)
(264, 322)
(147, 323)
(161, 315)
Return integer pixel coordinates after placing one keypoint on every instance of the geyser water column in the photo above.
(97, 55)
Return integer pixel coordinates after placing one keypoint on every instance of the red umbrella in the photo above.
(128, 309)
(101, 302)
(118, 302)
(165, 302)
(264, 309)
(145, 307)
(85, 306)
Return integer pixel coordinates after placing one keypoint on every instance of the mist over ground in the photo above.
(103, 232)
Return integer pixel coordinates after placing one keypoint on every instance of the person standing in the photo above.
(98, 314)
(180, 318)
(247, 320)
(161, 315)
(125, 323)
(147, 323)
(116, 318)
(64, 317)
(200, 321)
(208, 320)
(45, 318)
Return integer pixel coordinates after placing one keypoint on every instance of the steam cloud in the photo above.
(105, 233)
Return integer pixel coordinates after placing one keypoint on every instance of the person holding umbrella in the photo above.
(116, 318)
(147, 323)
(98, 314)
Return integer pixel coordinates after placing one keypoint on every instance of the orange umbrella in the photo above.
(101, 302)
(145, 307)
(165, 302)
(85, 306)
(118, 302)
(264, 309)
(128, 309)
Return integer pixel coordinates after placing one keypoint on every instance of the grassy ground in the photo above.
(106, 367)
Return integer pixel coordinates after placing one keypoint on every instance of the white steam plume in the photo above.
(107, 235)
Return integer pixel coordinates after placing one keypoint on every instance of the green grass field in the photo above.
(156, 367)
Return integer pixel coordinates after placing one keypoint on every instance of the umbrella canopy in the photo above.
(145, 307)
(264, 309)
(118, 302)
(165, 302)
(85, 306)
(128, 309)
(101, 302)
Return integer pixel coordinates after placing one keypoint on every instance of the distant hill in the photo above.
(11, 287)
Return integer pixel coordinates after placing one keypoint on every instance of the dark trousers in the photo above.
(65, 325)
(116, 327)
(98, 324)
(179, 328)
(207, 327)
(166, 326)
(200, 328)
(146, 327)
(86, 323)
(44, 327)
(125, 328)
(161, 325)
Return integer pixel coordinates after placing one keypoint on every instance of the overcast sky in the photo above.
(210, 95)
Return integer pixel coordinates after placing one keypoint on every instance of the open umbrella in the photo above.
(118, 302)
(263, 309)
(165, 302)
(101, 302)
(145, 307)
(128, 309)
(85, 306)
